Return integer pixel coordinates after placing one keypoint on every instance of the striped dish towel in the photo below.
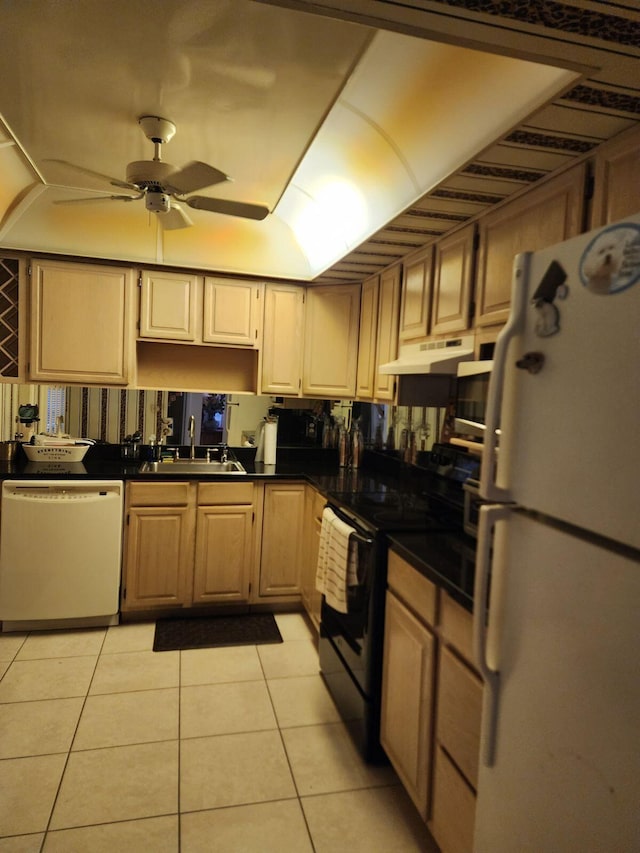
(337, 566)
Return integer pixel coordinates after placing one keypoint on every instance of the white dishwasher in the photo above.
(60, 553)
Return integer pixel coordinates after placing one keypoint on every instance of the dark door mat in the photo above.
(210, 631)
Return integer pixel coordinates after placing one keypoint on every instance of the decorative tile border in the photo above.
(587, 23)
(458, 195)
(530, 139)
(432, 214)
(502, 172)
(604, 98)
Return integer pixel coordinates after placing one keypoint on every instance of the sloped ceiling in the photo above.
(367, 128)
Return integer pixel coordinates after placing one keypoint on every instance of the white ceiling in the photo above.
(367, 128)
(336, 126)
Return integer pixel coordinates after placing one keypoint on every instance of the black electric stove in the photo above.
(351, 643)
(391, 510)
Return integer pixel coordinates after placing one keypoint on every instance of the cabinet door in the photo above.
(231, 312)
(452, 279)
(387, 338)
(367, 339)
(282, 339)
(550, 214)
(223, 553)
(330, 361)
(81, 328)
(416, 295)
(282, 539)
(616, 179)
(168, 306)
(407, 699)
(158, 557)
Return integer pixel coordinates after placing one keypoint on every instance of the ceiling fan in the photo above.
(164, 188)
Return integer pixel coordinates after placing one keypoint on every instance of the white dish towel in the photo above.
(337, 566)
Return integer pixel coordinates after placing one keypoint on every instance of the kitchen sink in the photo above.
(191, 466)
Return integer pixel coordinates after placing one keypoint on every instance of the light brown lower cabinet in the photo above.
(431, 703)
(457, 732)
(454, 807)
(407, 699)
(187, 543)
(224, 527)
(282, 539)
(158, 545)
(408, 670)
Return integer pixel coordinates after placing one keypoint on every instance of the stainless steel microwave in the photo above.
(472, 390)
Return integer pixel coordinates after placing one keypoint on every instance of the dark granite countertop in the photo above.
(446, 559)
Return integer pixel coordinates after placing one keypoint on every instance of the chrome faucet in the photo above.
(224, 456)
(192, 436)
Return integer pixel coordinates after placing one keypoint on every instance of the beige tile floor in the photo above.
(108, 746)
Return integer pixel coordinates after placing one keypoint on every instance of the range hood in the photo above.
(431, 357)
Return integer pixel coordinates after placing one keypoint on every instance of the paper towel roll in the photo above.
(270, 442)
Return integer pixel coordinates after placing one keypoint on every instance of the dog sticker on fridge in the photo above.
(611, 261)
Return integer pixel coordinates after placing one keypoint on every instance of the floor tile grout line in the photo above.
(75, 732)
(293, 777)
(268, 683)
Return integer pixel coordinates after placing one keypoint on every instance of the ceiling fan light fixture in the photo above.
(157, 201)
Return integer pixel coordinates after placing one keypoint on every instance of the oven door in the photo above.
(354, 634)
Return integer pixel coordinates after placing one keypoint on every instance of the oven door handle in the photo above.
(364, 539)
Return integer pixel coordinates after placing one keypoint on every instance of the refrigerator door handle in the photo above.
(489, 490)
(489, 515)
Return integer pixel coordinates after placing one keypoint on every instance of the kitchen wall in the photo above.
(104, 414)
(110, 414)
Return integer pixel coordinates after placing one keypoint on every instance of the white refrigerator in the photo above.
(557, 598)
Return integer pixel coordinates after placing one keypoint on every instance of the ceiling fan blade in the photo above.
(230, 208)
(174, 219)
(95, 198)
(194, 176)
(113, 181)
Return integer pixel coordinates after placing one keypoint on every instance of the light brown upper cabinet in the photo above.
(367, 338)
(416, 295)
(185, 308)
(452, 282)
(282, 340)
(332, 315)
(549, 214)
(616, 179)
(81, 323)
(387, 336)
(232, 312)
(168, 306)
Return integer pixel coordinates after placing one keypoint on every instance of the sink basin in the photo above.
(191, 466)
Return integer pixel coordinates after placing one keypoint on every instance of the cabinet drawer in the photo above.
(225, 493)
(412, 587)
(454, 808)
(457, 627)
(459, 713)
(158, 494)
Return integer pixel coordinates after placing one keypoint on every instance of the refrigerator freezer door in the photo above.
(564, 635)
(571, 406)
